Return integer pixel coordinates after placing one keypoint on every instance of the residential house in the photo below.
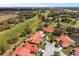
(48, 29)
(36, 38)
(65, 41)
(21, 51)
(76, 51)
(32, 47)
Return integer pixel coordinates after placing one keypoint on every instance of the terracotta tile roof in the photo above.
(31, 47)
(35, 38)
(21, 51)
(27, 48)
(17, 49)
(66, 41)
(76, 51)
(48, 29)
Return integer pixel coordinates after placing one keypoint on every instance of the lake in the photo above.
(75, 38)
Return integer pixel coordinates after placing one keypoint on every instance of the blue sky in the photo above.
(39, 5)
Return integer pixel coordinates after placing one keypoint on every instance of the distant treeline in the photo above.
(34, 8)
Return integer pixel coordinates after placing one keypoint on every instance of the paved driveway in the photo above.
(50, 49)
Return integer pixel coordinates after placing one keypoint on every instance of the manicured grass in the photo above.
(15, 31)
(35, 25)
(18, 43)
(77, 24)
(42, 46)
(49, 35)
(47, 12)
(67, 51)
(53, 24)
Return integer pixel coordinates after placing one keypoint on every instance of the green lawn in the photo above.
(67, 51)
(18, 43)
(53, 24)
(42, 46)
(77, 24)
(19, 28)
(35, 25)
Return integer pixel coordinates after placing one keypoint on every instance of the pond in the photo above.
(75, 38)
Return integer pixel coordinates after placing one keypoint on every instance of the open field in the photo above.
(8, 16)
(17, 30)
(77, 24)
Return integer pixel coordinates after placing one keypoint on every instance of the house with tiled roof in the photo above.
(25, 49)
(21, 51)
(32, 47)
(65, 41)
(48, 29)
(76, 51)
(36, 38)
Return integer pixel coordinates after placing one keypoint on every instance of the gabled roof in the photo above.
(31, 47)
(17, 50)
(21, 51)
(35, 38)
(27, 48)
(48, 29)
(66, 41)
(76, 51)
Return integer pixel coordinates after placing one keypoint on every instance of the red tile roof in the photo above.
(17, 49)
(76, 51)
(48, 29)
(27, 48)
(66, 41)
(31, 47)
(21, 51)
(35, 38)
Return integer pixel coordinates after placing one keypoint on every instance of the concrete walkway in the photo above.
(50, 49)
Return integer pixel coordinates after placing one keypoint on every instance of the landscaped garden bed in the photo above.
(56, 53)
(67, 51)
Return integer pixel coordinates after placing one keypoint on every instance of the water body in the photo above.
(75, 38)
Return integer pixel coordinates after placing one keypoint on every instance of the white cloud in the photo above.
(39, 1)
(6, 4)
(11, 3)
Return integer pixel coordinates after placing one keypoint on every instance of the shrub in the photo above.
(56, 53)
(12, 41)
(28, 30)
